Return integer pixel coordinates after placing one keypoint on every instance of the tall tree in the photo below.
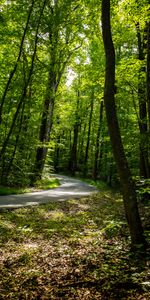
(89, 133)
(129, 194)
(98, 146)
(143, 126)
(60, 38)
(148, 72)
(73, 154)
(12, 73)
(26, 84)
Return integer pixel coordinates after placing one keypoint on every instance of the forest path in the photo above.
(69, 188)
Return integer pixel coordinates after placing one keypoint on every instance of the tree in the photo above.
(143, 126)
(98, 146)
(41, 119)
(12, 73)
(22, 99)
(128, 188)
(61, 39)
(148, 71)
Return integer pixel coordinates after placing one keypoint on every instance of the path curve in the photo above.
(69, 188)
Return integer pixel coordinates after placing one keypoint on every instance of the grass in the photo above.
(43, 184)
(74, 249)
(101, 185)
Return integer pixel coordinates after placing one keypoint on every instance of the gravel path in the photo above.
(69, 188)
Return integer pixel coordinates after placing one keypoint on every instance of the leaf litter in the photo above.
(76, 249)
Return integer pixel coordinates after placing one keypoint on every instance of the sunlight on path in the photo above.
(69, 188)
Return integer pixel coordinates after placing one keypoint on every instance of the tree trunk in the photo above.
(45, 128)
(129, 194)
(56, 70)
(57, 154)
(73, 156)
(144, 161)
(24, 92)
(7, 170)
(148, 72)
(12, 73)
(81, 144)
(88, 137)
(98, 143)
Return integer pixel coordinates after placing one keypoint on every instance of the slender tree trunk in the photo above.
(129, 194)
(56, 70)
(88, 137)
(57, 148)
(12, 73)
(24, 92)
(10, 165)
(46, 122)
(100, 159)
(45, 128)
(98, 143)
(73, 156)
(148, 72)
(81, 143)
(57, 154)
(144, 161)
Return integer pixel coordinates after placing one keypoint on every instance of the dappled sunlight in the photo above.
(70, 188)
(83, 206)
(7, 224)
(56, 214)
(72, 248)
(30, 245)
(119, 200)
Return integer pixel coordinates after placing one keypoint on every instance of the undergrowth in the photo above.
(74, 249)
(43, 184)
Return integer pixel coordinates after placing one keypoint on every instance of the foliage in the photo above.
(143, 189)
(52, 86)
(43, 184)
(47, 183)
(67, 43)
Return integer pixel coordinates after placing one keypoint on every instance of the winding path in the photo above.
(69, 188)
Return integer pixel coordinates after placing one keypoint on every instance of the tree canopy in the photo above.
(52, 97)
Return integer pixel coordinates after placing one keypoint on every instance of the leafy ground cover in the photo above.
(45, 183)
(75, 249)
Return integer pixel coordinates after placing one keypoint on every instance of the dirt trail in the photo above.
(69, 188)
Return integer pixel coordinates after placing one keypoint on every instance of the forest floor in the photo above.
(73, 249)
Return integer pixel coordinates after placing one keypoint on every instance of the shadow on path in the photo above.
(69, 188)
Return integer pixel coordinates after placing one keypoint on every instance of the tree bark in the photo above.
(88, 137)
(129, 194)
(148, 72)
(7, 169)
(45, 128)
(98, 143)
(73, 155)
(144, 160)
